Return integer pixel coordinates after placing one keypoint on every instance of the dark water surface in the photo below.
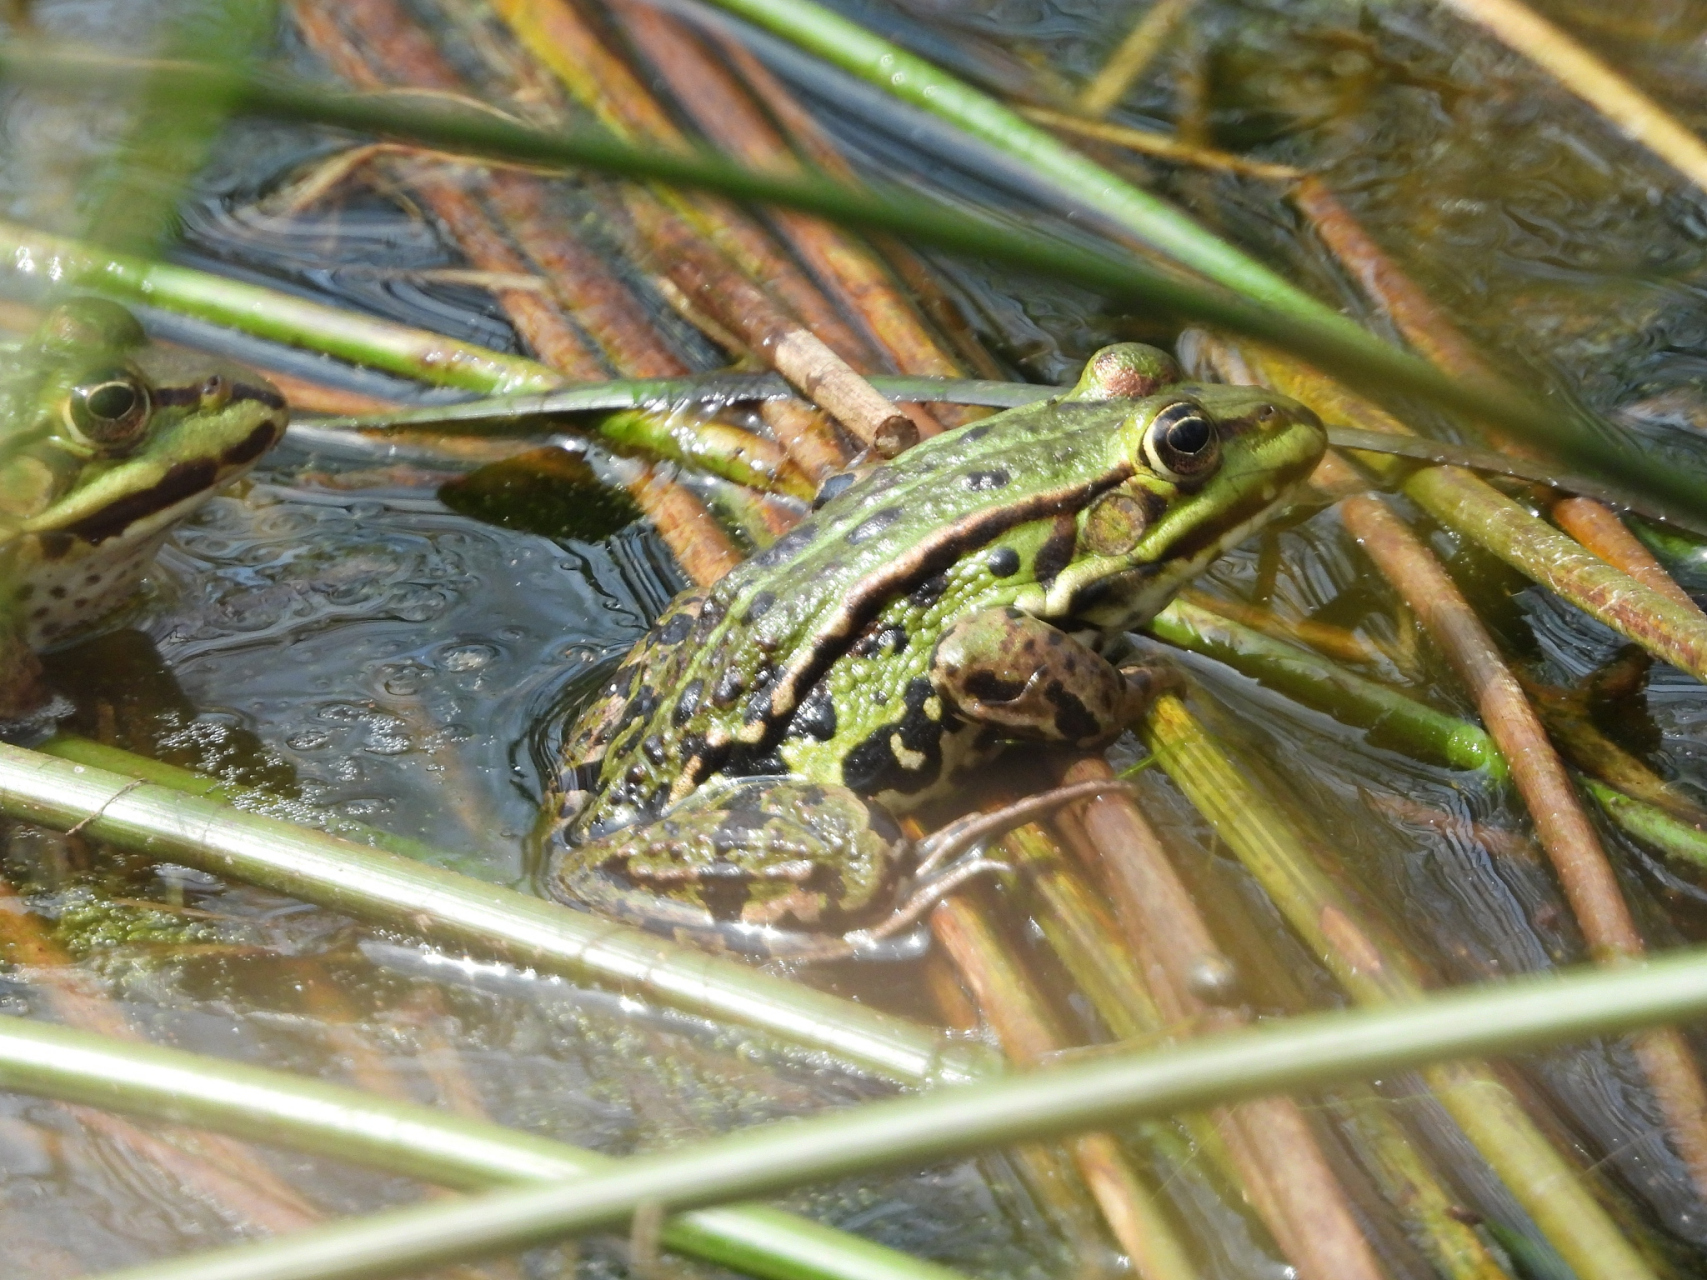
(334, 631)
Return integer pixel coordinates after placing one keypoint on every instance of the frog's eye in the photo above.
(1182, 442)
(108, 412)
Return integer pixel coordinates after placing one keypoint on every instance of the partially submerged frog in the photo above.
(735, 782)
(106, 443)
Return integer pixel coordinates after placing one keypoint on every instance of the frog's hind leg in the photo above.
(1026, 679)
(767, 866)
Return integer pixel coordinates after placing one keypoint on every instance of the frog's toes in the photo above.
(28, 728)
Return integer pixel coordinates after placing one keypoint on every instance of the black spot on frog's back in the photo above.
(687, 702)
(929, 591)
(874, 765)
(1003, 562)
(677, 629)
(872, 525)
(816, 716)
(786, 547)
(760, 605)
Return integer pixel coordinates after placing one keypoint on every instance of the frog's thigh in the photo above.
(1028, 679)
(764, 852)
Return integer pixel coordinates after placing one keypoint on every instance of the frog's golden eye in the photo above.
(108, 412)
(1182, 443)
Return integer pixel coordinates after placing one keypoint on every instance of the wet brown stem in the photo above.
(798, 333)
(1374, 970)
(1132, 56)
(1015, 1010)
(726, 113)
(1560, 820)
(1280, 1162)
(392, 45)
(1595, 526)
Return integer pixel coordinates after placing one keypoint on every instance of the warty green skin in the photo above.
(81, 519)
(902, 634)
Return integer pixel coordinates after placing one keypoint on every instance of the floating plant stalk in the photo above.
(1600, 531)
(1560, 821)
(1634, 114)
(725, 111)
(1132, 56)
(402, 1138)
(1470, 506)
(460, 912)
(1299, 1053)
(1269, 1151)
(1015, 1008)
(1375, 973)
(1390, 716)
(820, 356)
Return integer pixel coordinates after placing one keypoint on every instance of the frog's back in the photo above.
(816, 647)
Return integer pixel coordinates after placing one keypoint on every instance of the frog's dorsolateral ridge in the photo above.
(106, 443)
(734, 782)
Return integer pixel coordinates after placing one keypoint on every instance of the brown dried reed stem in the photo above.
(1473, 508)
(1179, 964)
(810, 140)
(1374, 970)
(1132, 56)
(1631, 111)
(1595, 526)
(391, 46)
(1015, 1010)
(727, 113)
(1560, 820)
(799, 333)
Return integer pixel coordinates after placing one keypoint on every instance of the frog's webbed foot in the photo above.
(938, 874)
(29, 709)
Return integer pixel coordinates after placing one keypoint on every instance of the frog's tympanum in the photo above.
(735, 782)
(106, 442)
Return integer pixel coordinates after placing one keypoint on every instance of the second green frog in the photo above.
(735, 782)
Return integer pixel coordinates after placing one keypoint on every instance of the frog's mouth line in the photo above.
(183, 481)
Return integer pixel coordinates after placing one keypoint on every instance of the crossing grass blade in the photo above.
(1356, 357)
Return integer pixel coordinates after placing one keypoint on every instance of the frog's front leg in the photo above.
(1029, 680)
(769, 866)
(27, 705)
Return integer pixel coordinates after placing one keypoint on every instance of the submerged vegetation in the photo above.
(278, 829)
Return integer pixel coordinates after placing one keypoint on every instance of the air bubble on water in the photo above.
(466, 657)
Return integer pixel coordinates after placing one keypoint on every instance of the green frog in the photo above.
(106, 443)
(736, 783)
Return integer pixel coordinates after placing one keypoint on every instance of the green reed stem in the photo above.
(271, 313)
(458, 911)
(1300, 1053)
(851, 47)
(1390, 716)
(1315, 333)
(364, 340)
(1653, 826)
(1376, 973)
(405, 1139)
